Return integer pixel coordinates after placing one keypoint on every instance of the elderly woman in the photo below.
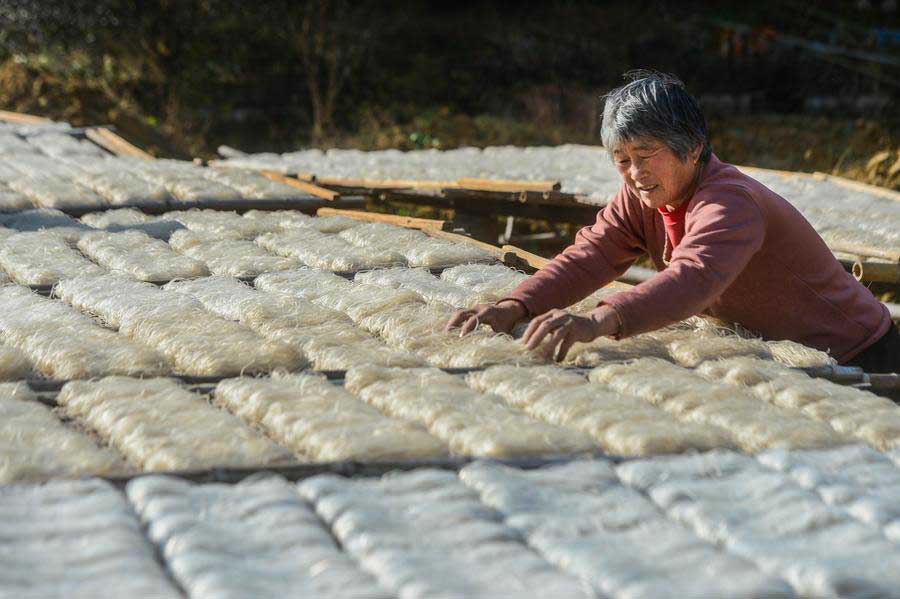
(723, 243)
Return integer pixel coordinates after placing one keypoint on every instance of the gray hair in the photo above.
(654, 105)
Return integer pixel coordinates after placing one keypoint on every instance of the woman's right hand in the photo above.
(501, 317)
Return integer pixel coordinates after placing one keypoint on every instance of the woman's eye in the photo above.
(622, 162)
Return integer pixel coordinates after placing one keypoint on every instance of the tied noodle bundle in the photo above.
(323, 421)
(471, 423)
(42, 258)
(178, 326)
(228, 257)
(159, 425)
(140, 256)
(35, 445)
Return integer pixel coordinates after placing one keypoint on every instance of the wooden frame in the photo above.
(409, 222)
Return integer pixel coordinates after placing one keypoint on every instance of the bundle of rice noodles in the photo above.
(322, 421)
(746, 371)
(197, 342)
(37, 166)
(191, 189)
(229, 257)
(381, 236)
(46, 219)
(261, 311)
(306, 283)
(471, 423)
(446, 349)
(94, 537)
(591, 302)
(339, 346)
(4, 278)
(219, 222)
(279, 220)
(361, 300)
(693, 351)
(797, 355)
(62, 145)
(491, 282)
(421, 281)
(438, 252)
(35, 445)
(42, 258)
(118, 216)
(252, 185)
(603, 350)
(159, 425)
(121, 188)
(752, 424)
(13, 201)
(63, 344)
(326, 252)
(14, 365)
(330, 224)
(140, 256)
(522, 386)
(407, 322)
(51, 191)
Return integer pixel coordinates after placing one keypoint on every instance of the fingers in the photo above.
(553, 340)
(470, 325)
(459, 317)
(537, 330)
(564, 347)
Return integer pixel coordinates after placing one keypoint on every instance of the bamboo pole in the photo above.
(314, 190)
(381, 184)
(877, 272)
(108, 140)
(865, 251)
(392, 219)
(507, 185)
(22, 118)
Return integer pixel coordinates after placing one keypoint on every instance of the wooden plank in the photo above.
(501, 254)
(21, 118)
(508, 185)
(391, 219)
(865, 250)
(574, 212)
(314, 190)
(381, 184)
(108, 140)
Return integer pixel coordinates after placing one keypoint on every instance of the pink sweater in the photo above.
(747, 256)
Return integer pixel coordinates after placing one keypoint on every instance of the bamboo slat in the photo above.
(22, 118)
(380, 184)
(108, 140)
(865, 251)
(501, 254)
(392, 219)
(314, 190)
(508, 185)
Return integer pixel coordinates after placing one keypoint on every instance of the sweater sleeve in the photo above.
(724, 229)
(600, 254)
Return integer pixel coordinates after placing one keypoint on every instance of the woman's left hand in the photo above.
(565, 329)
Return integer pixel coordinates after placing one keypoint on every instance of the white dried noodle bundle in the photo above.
(692, 351)
(753, 425)
(63, 344)
(256, 538)
(12, 201)
(119, 216)
(36, 445)
(229, 257)
(469, 551)
(50, 191)
(522, 386)
(603, 349)
(417, 248)
(326, 252)
(14, 365)
(471, 423)
(218, 221)
(140, 256)
(159, 425)
(591, 302)
(91, 532)
(42, 258)
(421, 281)
(322, 421)
(252, 185)
(178, 326)
(797, 355)
(306, 283)
(360, 300)
(330, 224)
(491, 282)
(186, 183)
(120, 188)
(279, 220)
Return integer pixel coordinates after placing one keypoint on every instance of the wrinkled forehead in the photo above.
(636, 144)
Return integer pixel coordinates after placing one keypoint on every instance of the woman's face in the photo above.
(654, 173)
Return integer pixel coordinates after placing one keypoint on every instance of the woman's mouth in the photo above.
(646, 188)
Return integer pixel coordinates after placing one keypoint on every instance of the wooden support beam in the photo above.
(501, 254)
(314, 190)
(108, 140)
(375, 185)
(21, 118)
(391, 219)
(508, 185)
(877, 272)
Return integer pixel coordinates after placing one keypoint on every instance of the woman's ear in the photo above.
(695, 155)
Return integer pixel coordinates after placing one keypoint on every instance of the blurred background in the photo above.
(786, 85)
